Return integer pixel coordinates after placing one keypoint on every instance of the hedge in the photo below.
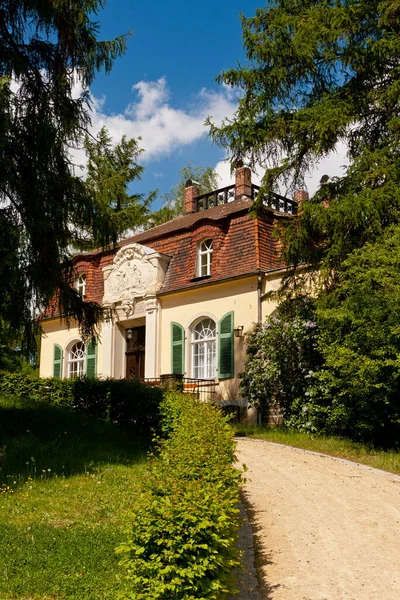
(183, 541)
(127, 403)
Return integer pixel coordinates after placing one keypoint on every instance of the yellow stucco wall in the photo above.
(271, 283)
(55, 332)
(239, 296)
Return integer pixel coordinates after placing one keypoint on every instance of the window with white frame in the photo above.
(204, 259)
(80, 284)
(204, 350)
(76, 360)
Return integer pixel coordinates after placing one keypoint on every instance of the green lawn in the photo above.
(342, 448)
(68, 483)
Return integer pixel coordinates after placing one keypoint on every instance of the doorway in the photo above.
(135, 353)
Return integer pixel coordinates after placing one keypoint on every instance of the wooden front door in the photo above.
(135, 354)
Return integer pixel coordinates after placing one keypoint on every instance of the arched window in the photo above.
(76, 360)
(204, 259)
(204, 349)
(80, 284)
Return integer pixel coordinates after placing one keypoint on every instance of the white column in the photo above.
(150, 365)
(107, 342)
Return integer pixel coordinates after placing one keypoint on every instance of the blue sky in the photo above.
(163, 88)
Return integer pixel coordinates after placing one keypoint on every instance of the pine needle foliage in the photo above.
(319, 73)
(47, 48)
(111, 168)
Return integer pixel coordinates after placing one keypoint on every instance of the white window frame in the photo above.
(204, 257)
(80, 284)
(76, 365)
(203, 347)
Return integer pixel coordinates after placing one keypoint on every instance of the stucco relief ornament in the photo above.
(136, 272)
(128, 308)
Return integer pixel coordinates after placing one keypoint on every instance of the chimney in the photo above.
(300, 196)
(243, 182)
(191, 193)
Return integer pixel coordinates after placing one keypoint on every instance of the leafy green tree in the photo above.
(46, 48)
(357, 394)
(110, 170)
(321, 72)
(173, 200)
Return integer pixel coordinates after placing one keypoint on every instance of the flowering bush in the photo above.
(282, 355)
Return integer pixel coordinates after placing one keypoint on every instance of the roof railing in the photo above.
(276, 202)
(227, 194)
(216, 198)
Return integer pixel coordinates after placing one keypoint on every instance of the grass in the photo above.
(67, 487)
(340, 447)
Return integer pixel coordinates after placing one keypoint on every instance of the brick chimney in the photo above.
(243, 182)
(191, 193)
(300, 196)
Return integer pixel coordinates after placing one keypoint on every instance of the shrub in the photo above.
(182, 544)
(281, 355)
(126, 403)
(357, 393)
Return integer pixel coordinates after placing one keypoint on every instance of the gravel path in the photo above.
(327, 529)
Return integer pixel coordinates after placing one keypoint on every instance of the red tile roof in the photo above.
(242, 245)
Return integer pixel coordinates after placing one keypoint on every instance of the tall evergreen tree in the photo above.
(46, 47)
(110, 170)
(318, 73)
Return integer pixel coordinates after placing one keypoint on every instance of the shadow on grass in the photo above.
(38, 440)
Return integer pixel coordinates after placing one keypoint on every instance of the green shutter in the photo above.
(225, 354)
(57, 361)
(91, 358)
(177, 348)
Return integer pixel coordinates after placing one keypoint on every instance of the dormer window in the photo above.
(81, 284)
(205, 251)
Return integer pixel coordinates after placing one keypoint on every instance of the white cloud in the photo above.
(162, 127)
(333, 165)
(152, 96)
(223, 169)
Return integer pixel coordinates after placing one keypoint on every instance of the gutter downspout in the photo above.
(259, 279)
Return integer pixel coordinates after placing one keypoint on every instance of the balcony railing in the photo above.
(276, 202)
(227, 194)
(203, 389)
(222, 196)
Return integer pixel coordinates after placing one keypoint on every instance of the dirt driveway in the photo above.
(328, 529)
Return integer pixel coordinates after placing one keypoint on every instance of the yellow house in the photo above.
(179, 297)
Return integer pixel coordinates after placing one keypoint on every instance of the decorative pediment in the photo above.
(136, 271)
